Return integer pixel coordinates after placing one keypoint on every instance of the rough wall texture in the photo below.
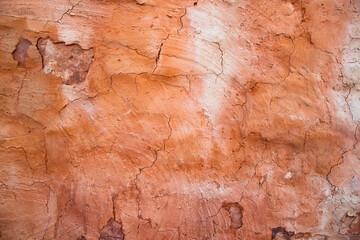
(169, 119)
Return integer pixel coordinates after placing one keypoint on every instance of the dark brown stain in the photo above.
(283, 233)
(20, 53)
(236, 212)
(112, 231)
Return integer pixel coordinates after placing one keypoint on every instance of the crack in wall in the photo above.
(138, 189)
(170, 122)
(170, 132)
(68, 11)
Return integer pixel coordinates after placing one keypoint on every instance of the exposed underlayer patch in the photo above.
(70, 62)
(112, 231)
(235, 211)
(20, 53)
(280, 233)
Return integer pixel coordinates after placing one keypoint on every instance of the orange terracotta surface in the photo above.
(169, 119)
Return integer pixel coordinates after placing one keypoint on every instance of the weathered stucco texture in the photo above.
(176, 119)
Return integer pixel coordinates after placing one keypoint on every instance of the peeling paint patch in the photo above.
(236, 214)
(20, 53)
(70, 62)
(288, 175)
(281, 233)
(112, 231)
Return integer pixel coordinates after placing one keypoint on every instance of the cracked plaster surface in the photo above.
(232, 119)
